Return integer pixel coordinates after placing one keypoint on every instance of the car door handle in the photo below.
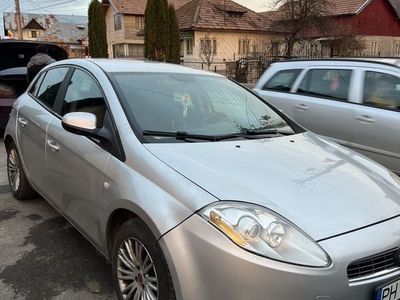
(365, 119)
(53, 145)
(23, 122)
(301, 107)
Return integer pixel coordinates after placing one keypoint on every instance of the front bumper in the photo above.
(204, 264)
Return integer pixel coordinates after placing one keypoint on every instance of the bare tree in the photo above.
(208, 49)
(300, 19)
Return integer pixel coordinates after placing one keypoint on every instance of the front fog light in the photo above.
(264, 232)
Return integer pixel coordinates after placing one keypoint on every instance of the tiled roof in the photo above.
(44, 20)
(346, 7)
(65, 33)
(341, 7)
(220, 15)
(137, 7)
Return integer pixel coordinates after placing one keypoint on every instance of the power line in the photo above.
(56, 4)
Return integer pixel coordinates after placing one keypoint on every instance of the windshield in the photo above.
(193, 104)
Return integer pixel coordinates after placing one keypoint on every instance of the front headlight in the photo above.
(264, 232)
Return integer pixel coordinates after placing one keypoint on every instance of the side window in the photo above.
(327, 83)
(50, 86)
(282, 81)
(36, 85)
(84, 95)
(382, 90)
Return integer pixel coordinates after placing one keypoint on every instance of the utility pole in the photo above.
(18, 18)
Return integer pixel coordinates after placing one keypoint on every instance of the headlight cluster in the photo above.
(264, 232)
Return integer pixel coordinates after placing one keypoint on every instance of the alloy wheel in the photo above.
(13, 169)
(137, 277)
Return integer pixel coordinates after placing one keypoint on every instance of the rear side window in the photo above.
(51, 85)
(84, 95)
(382, 90)
(36, 85)
(282, 81)
(327, 83)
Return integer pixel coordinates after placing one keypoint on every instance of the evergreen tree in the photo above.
(97, 31)
(174, 37)
(156, 33)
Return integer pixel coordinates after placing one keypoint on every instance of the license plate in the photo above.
(390, 291)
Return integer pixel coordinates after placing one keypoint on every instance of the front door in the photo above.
(74, 163)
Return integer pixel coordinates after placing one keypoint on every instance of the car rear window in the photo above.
(282, 81)
(327, 83)
(382, 90)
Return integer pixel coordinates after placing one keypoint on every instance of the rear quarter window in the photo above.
(282, 81)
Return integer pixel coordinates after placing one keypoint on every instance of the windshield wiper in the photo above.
(183, 135)
(180, 135)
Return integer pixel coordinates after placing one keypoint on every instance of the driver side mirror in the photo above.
(81, 123)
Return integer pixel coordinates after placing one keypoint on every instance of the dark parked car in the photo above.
(15, 55)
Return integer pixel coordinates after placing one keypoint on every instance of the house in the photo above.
(212, 31)
(71, 37)
(69, 32)
(216, 31)
(32, 30)
(125, 24)
(373, 24)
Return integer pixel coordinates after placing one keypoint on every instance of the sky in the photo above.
(79, 7)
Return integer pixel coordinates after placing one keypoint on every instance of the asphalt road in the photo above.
(42, 256)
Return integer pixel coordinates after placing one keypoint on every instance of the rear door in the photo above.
(376, 121)
(34, 113)
(321, 103)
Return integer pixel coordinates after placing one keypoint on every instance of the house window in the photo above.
(244, 47)
(117, 21)
(136, 50)
(396, 50)
(182, 49)
(374, 50)
(235, 14)
(139, 22)
(34, 34)
(208, 46)
(119, 50)
(189, 47)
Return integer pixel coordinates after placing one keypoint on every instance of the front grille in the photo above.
(374, 264)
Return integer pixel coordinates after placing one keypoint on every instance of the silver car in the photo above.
(356, 102)
(195, 188)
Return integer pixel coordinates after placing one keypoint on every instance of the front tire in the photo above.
(17, 180)
(139, 268)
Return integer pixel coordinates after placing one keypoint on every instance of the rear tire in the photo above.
(138, 264)
(19, 185)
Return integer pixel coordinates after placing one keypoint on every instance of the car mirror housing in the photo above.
(80, 121)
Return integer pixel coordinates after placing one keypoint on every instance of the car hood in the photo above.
(321, 187)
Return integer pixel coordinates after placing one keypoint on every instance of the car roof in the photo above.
(130, 65)
(392, 62)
